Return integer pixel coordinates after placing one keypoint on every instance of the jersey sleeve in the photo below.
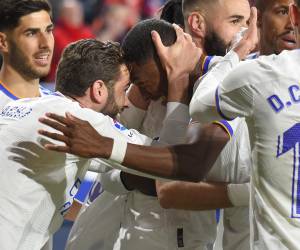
(203, 106)
(229, 126)
(175, 124)
(132, 117)
(208, 62)
(111, 181)
(106, 126)
(235, 95)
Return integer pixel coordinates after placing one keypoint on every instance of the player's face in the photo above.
(150, 79)
(117, 99)
(223, 22)
(30, 45)
(276, 32)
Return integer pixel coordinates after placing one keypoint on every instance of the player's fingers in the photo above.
(53, 147)
(188, 37)
(58, 118)
(54, 136)
(56, 125)
(71, 119)
(160, 48)
(179, 32)
(252, 29)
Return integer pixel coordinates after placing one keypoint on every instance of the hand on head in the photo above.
(180, 58)
(250, 39)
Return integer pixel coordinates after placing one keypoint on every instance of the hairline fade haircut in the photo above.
(86, 61)
(11, 11)
(189, 6)
(138, 46)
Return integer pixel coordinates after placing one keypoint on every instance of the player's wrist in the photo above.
(178, 89)
(118, 150)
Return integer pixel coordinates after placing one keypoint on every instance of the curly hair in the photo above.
(85, 61)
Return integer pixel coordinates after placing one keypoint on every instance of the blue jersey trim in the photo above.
(219, 108)
(45, 91)
(7, 92)
(206, 64)
(228, 126)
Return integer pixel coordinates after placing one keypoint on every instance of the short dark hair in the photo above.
(298, 3)
(12, 10)
(172, 12)
(85, 61)
(261, 5)
(138, 46)
(189, 6)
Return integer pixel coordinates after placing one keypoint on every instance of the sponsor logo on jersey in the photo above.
(119, 126)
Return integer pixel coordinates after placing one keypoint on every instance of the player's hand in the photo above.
(180, 58)
(250, 39)
(79, 136)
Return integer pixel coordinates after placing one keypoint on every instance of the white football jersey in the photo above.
(37, 186)
(233, 164)
(148, 225)
(6, 95)
(266, 92)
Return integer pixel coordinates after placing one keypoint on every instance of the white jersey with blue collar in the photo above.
(37, 186)
(266, 92)
(6, 95)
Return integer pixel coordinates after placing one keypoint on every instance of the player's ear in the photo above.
(3, 42)
(196, 24)
(99, 92)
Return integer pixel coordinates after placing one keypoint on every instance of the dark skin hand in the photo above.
(179, 162)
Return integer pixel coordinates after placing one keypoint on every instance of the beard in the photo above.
(19, 61)
(215, 45)
(111, 108)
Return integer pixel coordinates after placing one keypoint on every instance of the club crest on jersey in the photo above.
(119, 126)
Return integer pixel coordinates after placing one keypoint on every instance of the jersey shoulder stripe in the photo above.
(217, 100)
(205, 64)
(7, 92)
(226, 126)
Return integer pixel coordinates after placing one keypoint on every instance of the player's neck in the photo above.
(194, 76)
(17, 84)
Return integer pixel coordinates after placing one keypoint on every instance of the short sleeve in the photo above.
(203, 106)
(235, 95)
(106, 126)
(229, 126)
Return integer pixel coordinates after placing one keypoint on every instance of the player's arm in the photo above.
(203, 195)
(183, 162)
(192, 196)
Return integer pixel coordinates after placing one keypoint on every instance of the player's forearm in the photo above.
(192, 196)
(179, 89)
(189, 162)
